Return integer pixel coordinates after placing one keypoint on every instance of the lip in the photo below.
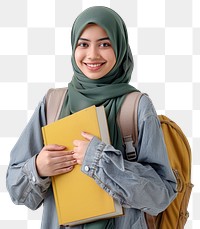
(94, 66)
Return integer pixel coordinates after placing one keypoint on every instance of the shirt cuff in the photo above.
(92, 156)
(30, 170)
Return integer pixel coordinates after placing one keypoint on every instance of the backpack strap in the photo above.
(54, 101)
(127, 121)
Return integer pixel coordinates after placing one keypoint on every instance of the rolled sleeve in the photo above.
(92, 157)
(31, 172)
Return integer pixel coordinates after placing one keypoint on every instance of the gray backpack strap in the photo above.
(54, 100)
(127, 121)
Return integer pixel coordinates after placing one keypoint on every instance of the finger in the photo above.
(54, 147)
(58, 154)
(75, 150)
(62, 159)
(63, 170)
(75, 155)
(79, 162)
(78, 159)
(87, 136)
(65, 164)
(76, 142)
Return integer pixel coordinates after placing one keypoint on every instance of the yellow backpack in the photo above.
(179, 153)
(178, 148)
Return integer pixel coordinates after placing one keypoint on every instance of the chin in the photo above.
(93, 76)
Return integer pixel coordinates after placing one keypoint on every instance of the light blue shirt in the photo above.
(146, 185)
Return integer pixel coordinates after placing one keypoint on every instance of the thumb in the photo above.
(87, 136)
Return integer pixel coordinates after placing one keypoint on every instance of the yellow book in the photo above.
(77, 196)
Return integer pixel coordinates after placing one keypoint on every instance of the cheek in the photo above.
(112, 58)
(76, 56)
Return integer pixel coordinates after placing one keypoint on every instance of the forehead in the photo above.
(93, 31)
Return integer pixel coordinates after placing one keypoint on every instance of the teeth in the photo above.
(93, 65)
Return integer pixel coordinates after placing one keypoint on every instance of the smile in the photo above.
(95, 66)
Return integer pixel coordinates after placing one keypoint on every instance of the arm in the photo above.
(24, 184)
(147, 184)
(32, 163)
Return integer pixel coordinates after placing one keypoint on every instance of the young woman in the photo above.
(102, 63)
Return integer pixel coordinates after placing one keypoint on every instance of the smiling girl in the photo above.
(102, 62)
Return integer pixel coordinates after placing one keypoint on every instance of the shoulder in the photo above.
(39, 114)
(146, 109)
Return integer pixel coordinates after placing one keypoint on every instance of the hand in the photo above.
(54, 160)
(80, 147)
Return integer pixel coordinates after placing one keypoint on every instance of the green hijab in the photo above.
(111, 89)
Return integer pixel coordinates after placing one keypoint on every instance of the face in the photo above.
(94, 54)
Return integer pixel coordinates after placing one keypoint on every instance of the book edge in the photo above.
(100, 217)
(103, 124)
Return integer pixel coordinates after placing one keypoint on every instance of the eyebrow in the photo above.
(101, 39)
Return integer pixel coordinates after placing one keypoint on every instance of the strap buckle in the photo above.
(130, 149)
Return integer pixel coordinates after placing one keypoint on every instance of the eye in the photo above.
(105, 44)
(82, 44)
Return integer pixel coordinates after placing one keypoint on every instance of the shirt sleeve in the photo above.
(147, 184)
(23, 182)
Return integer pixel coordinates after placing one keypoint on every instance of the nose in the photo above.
(93, 53)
